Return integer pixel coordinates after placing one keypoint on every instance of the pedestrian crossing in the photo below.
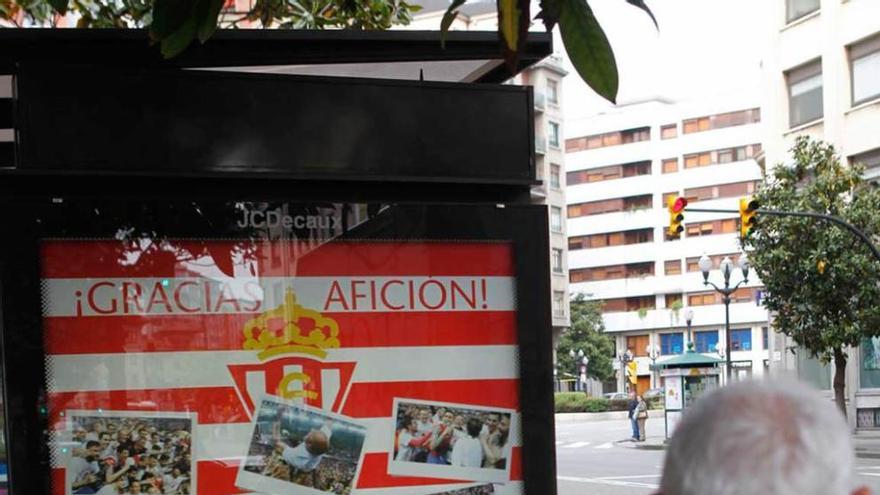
(562, 444)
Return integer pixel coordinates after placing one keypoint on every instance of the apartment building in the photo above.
(822, 79)
(546, 79)
(621, 167)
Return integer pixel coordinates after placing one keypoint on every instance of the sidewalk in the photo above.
(867, 447)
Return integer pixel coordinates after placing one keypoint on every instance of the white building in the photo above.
(621, 166)
(546, 79)
(822, 78)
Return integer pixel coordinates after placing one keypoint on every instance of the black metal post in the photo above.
(727, 328)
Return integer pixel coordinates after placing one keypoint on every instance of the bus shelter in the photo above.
(283, 262)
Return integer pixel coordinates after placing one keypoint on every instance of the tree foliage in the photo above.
(175, 24)
(822, 281)
(587, 332)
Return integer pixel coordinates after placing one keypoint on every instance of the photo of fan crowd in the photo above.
(452, 436)
(130, 455)
(305, 447)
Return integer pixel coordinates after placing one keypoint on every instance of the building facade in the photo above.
(822, 79)
(621, 168)
(546, 79)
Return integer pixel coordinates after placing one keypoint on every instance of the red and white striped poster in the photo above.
(282, 369)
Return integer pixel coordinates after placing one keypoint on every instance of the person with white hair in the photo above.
(761, 437)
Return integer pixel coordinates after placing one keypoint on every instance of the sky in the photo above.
(703, 47)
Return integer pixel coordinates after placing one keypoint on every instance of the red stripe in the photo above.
(374, 474)
(125, 334)
(222, 405)
(375, 400)
(101, 259)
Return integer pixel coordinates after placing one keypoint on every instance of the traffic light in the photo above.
(676, 215)
(748, 208)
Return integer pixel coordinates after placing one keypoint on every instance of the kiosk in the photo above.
(685, 378)
(252, 269)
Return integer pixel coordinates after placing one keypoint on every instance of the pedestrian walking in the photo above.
(633, 407)
(641, 416)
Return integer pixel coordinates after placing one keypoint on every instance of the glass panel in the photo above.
(219, 348)
(705, 341)
(866, 77)
(799, 8)
(813, 371)
(671, 343)
(741, 339)
(805, 100)
(869, 371)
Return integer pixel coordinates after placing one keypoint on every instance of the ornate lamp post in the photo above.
(689, 318)
(624, 358)
(726, 267)
(583, 376)
(653, 353)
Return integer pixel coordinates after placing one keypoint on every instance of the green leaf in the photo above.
(448, 17)
(642, 5)
(179, 40)
(588, 48)
(168, 17)
(549, 13)
(60, 6)
(209, 22)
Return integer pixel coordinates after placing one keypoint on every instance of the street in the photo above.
(591, 460)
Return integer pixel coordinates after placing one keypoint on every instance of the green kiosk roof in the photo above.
(689, 359)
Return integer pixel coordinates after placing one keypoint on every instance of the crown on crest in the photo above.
(301, 331)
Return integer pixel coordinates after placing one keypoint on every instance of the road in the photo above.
(590, 460)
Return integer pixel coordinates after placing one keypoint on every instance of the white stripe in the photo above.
(159, 370)
(599, 481)
(194, 296)
(576, 445)
(232, 441)
(604, 446)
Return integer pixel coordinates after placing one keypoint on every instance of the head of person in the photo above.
(459, 422)
(79, 434)
(474, 427)
(761, 437)
(411, 424)
(447, 418)
(424, 415)
(175, 472)
(631, 395)
(317, 442)
(504, 424)
(492, 422)
(135, 488)
(93, 450)
(122, 453)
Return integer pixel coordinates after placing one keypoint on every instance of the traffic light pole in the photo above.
(821, 216)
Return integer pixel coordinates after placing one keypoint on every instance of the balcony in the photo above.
(540, 101)
(540, 145)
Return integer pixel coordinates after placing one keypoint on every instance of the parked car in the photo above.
(653, 393)
(615, 396)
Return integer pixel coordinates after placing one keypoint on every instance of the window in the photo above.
(671, 343)
(608, 173)
(721, 191)
(552, 91)
(668, 131)
(701, 299)
(805, 94)
(670, 165)
(705, 341)
(870, 160)
(553, 137)
(869, 369)
(711, 228)
(693, 262)
(722, 120)
(725, 155)
(741, 339)
(764, 338)
(556, 219)
(558, 303)
(813, 371)
(865, 66)
(795, 9)
(638, 345)
(627, 304)
(672, 267)
(608, 139)
(673, 300)
(556, 260)
(554, 176)
(638, 236)
(612, 272)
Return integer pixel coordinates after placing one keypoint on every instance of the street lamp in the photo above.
(689, 318)
(653, 353)
(726, 267)
(625, 358)
(583, 377)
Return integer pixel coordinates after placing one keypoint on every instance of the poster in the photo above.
(672, 385)
(258, 344)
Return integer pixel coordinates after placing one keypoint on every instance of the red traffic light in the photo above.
(679, 204)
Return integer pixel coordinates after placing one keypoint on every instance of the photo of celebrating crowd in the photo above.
(124, 454)
(441, 434)
(294, 444)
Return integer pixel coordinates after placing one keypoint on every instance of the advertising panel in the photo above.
(229, 366)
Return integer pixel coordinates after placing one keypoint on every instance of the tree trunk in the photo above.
(840, 379)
